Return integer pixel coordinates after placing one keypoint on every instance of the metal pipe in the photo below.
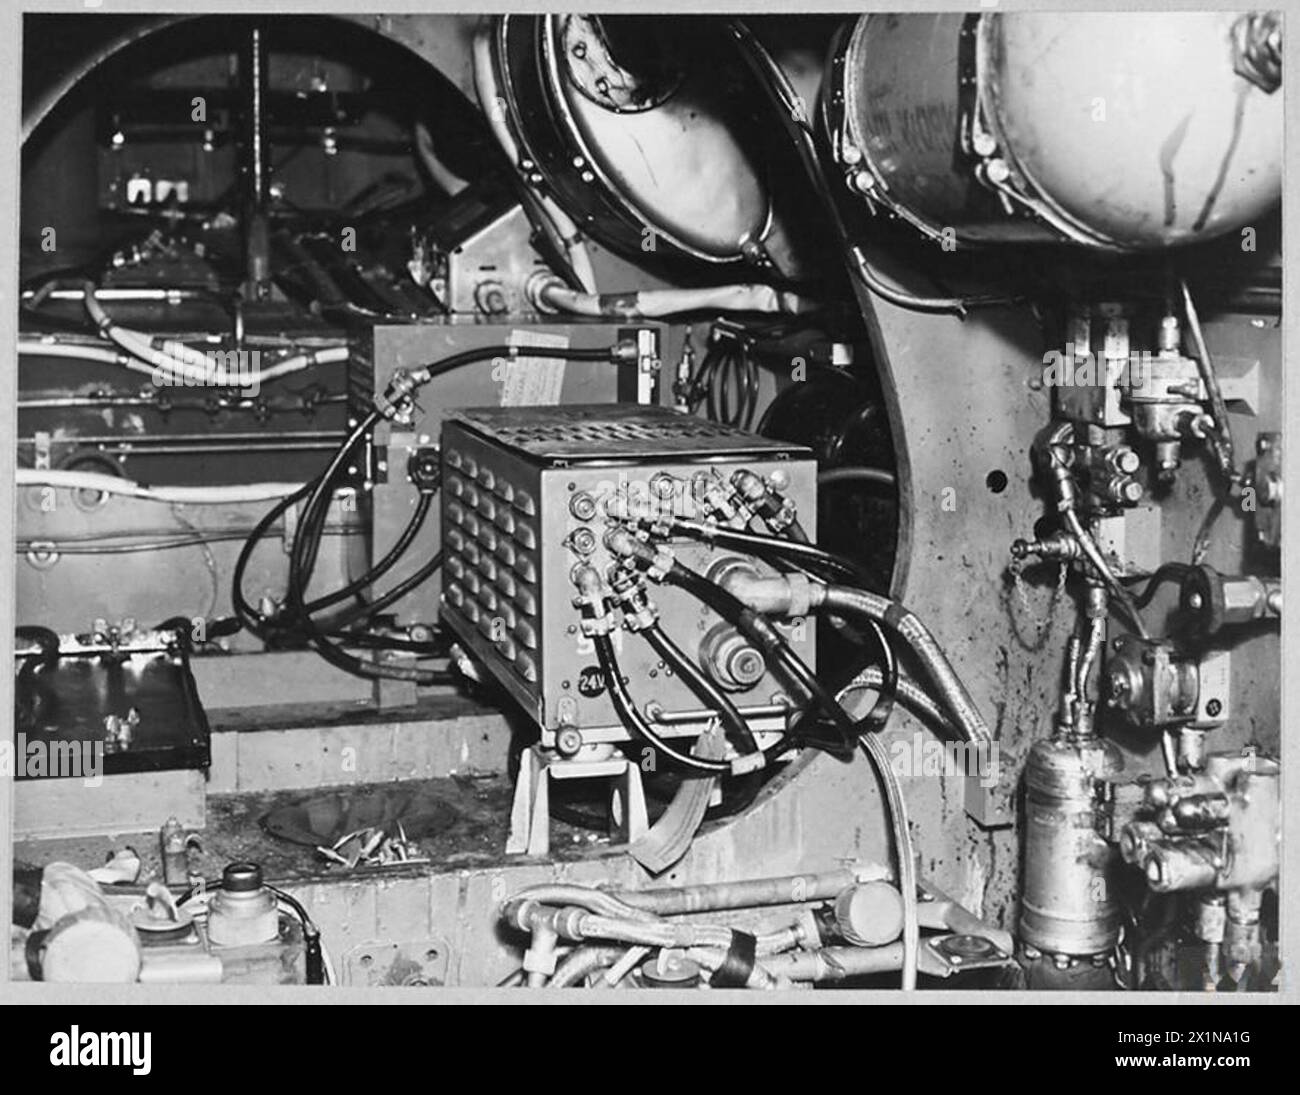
(549, 294)
(943, 913)
(331, 436)
(878, 476)
(64, 402)
(199, 450)
(835, 963)
(1223, 448)
(255, 166)
(1093, 553)
(142, 295)
(704, 714)
(1083, 726)
(747, 894)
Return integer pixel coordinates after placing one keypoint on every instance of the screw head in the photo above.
(568, 740)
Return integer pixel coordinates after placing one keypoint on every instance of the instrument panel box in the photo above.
(524, 501)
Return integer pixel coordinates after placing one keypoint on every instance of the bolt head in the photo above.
(863, 182)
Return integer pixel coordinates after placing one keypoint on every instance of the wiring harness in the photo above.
(297, 619)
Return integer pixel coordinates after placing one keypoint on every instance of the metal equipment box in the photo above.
(524, 495)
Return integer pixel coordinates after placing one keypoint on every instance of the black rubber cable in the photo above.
(762, 545)
(306, 543)
(776, 650)
(302, 556)
(418, 578)
(1167, 572)
(395, 553)
(704, 688)
(632, 718)
(368, 579)
(809, 558)
(247, 615)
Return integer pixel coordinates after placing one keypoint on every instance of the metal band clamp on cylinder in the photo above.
(1119, 131)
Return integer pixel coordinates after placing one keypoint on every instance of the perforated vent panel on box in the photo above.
(524, 500)
(491, 557)
(619, 431)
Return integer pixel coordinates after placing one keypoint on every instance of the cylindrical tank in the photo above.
(1120, 130)
(1067, 905)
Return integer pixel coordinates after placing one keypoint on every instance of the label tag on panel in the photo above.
(534, 381)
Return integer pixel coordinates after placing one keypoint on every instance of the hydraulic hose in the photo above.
(176, 362)
(872, 606)
(102, 483)
(802, 554)
(896, 295)
(583, 961)
(549, 294)
(875, 750)
(810, 558)
(911, 693)
(566, 893)
(776, 651)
